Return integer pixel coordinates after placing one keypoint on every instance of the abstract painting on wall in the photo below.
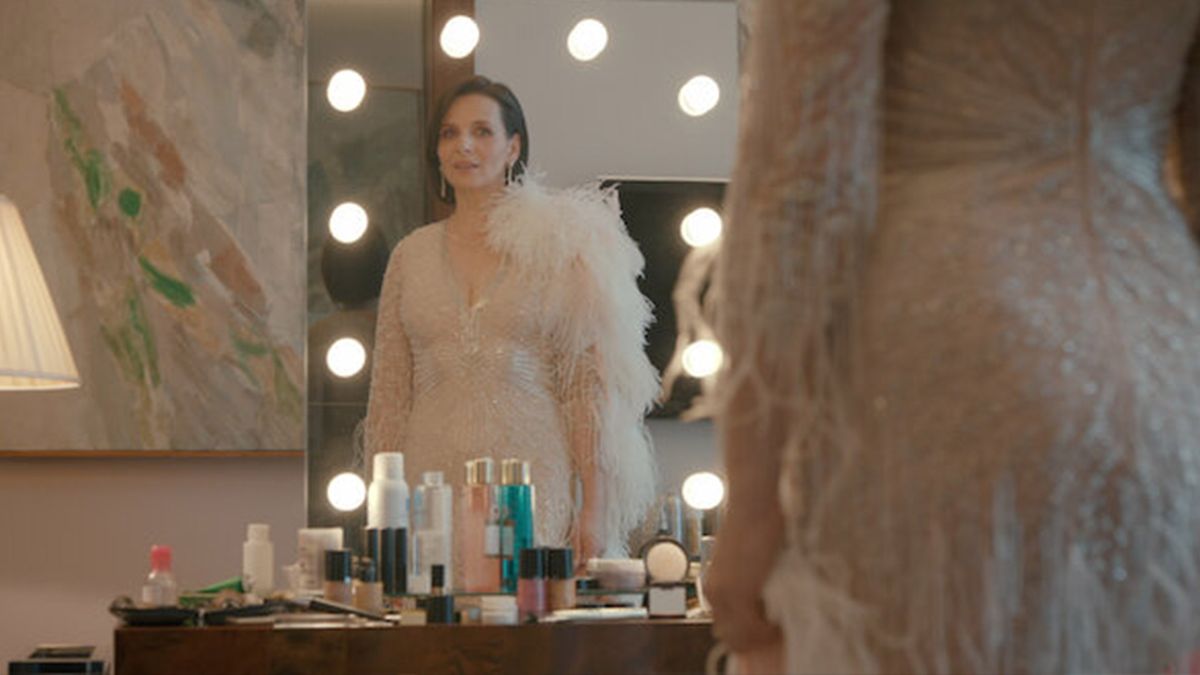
(156, 149)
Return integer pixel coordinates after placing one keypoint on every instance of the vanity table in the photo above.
(658, 646)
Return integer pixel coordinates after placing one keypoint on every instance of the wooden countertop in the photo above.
(654, 646)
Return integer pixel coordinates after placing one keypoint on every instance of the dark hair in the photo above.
(510, 113)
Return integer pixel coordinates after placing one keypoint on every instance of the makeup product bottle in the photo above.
(388, 521)
(498, 610)
(258, 560)
(435, 533)
(160, 589)
(368, 590)
(670, 517)
(517, 513)
(312, 542)
(477, 534)
(439, 607)
(338, 581)
(531, 587)
(560, 579)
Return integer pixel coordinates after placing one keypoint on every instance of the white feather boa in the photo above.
(574, 250)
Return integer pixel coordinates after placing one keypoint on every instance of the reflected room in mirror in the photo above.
(627, 111)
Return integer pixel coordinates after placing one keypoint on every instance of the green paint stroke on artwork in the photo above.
(130, 202)
(287, 395)
(247, 348)
(245, 370)
(143, 333)
(95, 177)
(90, 164)
(132, 343)
(67, 116)
(121, 346)
(174, 290)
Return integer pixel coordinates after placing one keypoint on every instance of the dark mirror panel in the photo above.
(653, 211)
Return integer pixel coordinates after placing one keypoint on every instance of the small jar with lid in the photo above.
(338, 576)
(368, 589)
(560, 579)
(531, 585)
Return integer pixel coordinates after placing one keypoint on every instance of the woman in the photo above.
(962, 313)
(514, 328)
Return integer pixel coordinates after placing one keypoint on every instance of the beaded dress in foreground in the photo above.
(952, 245)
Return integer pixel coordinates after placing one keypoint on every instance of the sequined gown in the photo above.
(953, 239)
(453, 382)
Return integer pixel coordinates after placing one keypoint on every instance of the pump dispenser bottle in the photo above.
(258, 560)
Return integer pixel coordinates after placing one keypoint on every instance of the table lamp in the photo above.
(34, 353)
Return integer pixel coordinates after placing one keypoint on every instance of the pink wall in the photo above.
(75, 533)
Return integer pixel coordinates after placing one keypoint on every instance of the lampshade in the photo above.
(34, 353)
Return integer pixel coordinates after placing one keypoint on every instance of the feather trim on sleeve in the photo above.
(574, 250)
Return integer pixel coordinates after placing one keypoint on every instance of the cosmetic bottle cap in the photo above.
(160, 558)
(533, 563)
(481, 471)
(258, 532)
(560, 563)
(338, 564)
(388, 466)
(433, 478)
(515, 472)
(437, 577)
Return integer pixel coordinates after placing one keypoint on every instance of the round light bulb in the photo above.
(459, 36)
(699, 95)
(346, 90)
(348, 222)
(346, 357)
(701, 227)
(346, 491)
(702, 358)
(703, 490)
(587, 39)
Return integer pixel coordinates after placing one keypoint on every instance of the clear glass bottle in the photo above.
(432, 539)
(160, 589)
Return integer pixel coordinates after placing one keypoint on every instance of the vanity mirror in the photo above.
(617, 116)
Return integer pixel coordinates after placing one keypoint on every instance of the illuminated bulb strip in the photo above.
(587, 39)
(346, 90)
(459, 36)
(702, 358)
(348, 222)
(346, 491)
(699, 95)
(703, 490)
(346, 357)
(701, 227)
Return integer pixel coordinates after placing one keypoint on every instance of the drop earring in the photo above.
(508, 174)
(443, 178)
